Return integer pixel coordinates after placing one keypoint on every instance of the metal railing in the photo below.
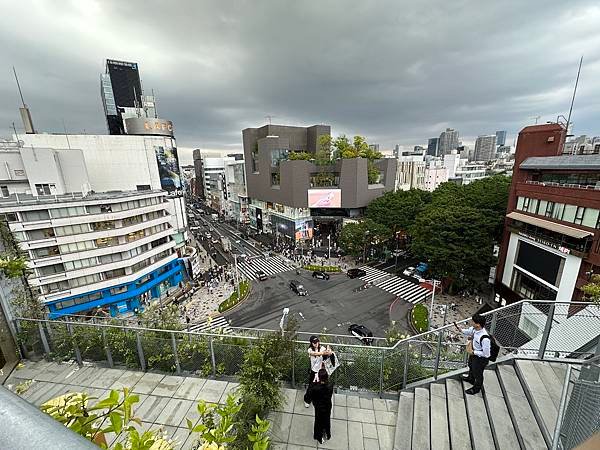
(542, 329)
(579, 411)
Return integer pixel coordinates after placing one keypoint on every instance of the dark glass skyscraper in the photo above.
(121, 88)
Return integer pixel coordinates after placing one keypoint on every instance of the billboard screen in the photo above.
(324, 198)
(149, 126)
(168, 169)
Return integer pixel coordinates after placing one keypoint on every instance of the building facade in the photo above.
(551, 241)
(410, 173)
(432, 146)
(501, 137)
(485, 148)
(237, 195)
(435, 174)
(293, 197)
(448, 141)
(113, 251)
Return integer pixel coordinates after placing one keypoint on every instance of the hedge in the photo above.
(420, 318)
(323, 268)
(233, 298)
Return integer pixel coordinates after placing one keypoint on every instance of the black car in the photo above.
(362, 333)
(355, 273)
(297, 287)
(320, 275)
(261, 275)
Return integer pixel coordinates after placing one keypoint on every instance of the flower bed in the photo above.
(419, 317)
(323, 268)
(233, 298)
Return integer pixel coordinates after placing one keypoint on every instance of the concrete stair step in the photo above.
(542, 404)
(460, 436)
(479, 422)
(440, 435)
(420, 429)
(404, 422)
(551, 381)
(501, 423)
(524, 419)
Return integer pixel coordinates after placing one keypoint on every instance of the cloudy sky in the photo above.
(397, 72)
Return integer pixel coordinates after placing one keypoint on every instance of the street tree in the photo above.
(398, 210)
(592, 289)
(355, 238)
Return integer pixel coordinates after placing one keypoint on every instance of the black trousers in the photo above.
(476, 367)
(311, 377)
(322, 423)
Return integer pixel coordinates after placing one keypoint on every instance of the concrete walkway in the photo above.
(166, 401)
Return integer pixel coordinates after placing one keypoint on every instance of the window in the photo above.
(69, 230)
(83, 281)
(58, 213)
(526, 201)
(51, 270)
(101, 226)
(80, 263)
(533, 205)
(109, 274)
(130, 237)
(106, 242)
(143, 187)
(9, 217)
(107, 259)
(76, 247)
(558, 211)
(579, 215)
(33, 216)
(45, 189)
(520, 202)
(549, 209)
(278, 155)
(569, 213)
(46, 251)
(275, 179)
(128, 221)
(4, 190)
(590, 218)
(44, 233)
(118, 290)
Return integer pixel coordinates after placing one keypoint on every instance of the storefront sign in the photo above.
(547, 243)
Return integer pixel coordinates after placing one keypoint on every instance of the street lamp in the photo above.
(365, 246)
(282, 321)
(431, 306)
(328, 246)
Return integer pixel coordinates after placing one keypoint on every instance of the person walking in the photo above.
(320, 394)
(479, 352)
(316, 354)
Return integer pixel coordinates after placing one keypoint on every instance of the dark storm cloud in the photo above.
(391, 70)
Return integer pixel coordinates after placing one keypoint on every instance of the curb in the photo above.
(250, 287)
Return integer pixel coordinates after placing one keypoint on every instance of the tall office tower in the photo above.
(501, 137)
(448, 141)
(121, 88)
(432, 146)
(485, 148)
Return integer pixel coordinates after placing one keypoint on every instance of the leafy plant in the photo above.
(297, 156)
(323, 268)
(420, 318)
(233, 298)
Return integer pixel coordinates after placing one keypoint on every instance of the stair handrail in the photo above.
(561, 408)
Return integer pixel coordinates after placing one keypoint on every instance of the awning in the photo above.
(552, 226)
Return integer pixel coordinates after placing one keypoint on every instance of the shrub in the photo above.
(233, 298)
(419, 318)
(312, 268)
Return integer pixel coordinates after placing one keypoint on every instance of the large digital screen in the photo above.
(168, 169)
(539, 262)
(324, 198)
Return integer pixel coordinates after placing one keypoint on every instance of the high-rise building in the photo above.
(432, 146)
(501, 137)
(121, 88)
(485, 148)
(448, 141)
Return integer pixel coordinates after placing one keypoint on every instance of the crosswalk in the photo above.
(406, 290)
(270, 266)
(213, 325)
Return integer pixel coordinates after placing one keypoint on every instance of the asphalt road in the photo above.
(330, 304)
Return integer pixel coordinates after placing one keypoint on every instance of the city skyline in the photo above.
(388, 82)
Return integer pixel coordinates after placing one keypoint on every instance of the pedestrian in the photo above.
(320, 395)
(315, 353)
(478, 350)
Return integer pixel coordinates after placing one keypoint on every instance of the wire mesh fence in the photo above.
(545, 329)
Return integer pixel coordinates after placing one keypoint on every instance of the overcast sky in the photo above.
(396, 72)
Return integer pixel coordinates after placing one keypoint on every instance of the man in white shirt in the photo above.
(479, 352)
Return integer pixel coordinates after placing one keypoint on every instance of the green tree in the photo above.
(457, 241)
(302, 156)
(398, 210)
(592, 289)
(356, 237)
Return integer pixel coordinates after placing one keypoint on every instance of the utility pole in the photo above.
(237, 278)
(431, 306)
(328, 246)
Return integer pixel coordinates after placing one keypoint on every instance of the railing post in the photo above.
(293, 364)
(381, 373)
(493, 324)
(140, 351)
(546, 335)
(107, 349)
(437, 355)
(75, 346)
(405, 375)
(212, 358)
(420, 354)
(561, 408)
(43, 338)
(174, 345)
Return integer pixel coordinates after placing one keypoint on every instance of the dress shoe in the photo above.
(467, 379)
(471, 391)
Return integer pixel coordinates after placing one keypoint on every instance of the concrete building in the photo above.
(448, 141)
(237, 195)
(410, 173)
(469, 172)
(485, 148)
(582, 145)
(435, 174)
(292, 197)
(501, 137)
(198, 174)
(432, 146)
(113, 251)
(215, 187)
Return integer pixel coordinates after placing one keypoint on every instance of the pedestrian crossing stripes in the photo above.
(270, 266)
(406, 290)
(374, 274)
(213, 325)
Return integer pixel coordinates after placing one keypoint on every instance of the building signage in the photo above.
(149, 126)
(547, 243)
(324, 198)
(168, 169)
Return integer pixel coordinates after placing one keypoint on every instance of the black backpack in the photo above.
(494, 347)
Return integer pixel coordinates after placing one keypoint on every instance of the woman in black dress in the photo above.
(320, 394)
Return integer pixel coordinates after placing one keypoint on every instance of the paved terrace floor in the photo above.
(358, 422)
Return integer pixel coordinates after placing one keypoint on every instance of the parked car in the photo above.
(421, 269)
(361, 332)
(297, 287)
(409, 271)
(321, 275)
(261, 275)
(355, 273)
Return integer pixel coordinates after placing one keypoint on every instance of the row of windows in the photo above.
(579, 215)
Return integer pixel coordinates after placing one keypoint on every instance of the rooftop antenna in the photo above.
(16, 135)
(154, 100)
(574, 92)
(536, 118)
(66, 135)
(25, 114)
(269, 118)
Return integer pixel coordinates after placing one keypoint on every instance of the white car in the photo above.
(409, 271)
